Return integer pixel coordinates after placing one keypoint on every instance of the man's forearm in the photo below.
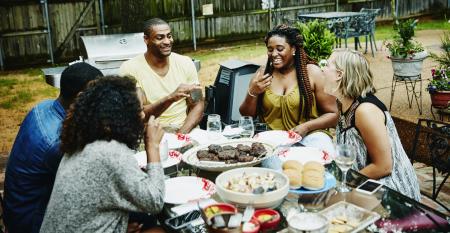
(193, 118)
(156, 109)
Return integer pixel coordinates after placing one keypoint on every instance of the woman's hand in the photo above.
(260, 82)
(153, 134)
(301, 129)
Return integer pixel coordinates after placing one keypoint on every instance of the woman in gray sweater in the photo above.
(98, 181)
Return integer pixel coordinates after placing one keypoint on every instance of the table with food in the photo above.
(221, 185)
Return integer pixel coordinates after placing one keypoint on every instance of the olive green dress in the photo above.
(282, 112)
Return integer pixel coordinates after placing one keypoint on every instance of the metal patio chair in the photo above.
(437, 138)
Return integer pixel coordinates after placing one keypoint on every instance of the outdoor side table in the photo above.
(410, 86)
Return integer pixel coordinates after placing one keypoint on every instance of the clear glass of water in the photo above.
(345, 157)
(246, 124)
(214, 127)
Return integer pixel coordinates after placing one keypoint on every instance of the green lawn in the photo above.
(385, 31)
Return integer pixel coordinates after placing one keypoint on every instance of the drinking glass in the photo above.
(345, 157)
(260, 127)
(246, 124)
(214, 127)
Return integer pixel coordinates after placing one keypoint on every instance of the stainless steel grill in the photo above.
(107, 53)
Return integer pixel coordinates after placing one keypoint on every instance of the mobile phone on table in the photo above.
(369, 187)
(183, 220)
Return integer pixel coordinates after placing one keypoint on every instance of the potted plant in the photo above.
(406, 54)
(317, 39)
(439, 86)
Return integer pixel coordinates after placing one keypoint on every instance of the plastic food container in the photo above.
(349, 217)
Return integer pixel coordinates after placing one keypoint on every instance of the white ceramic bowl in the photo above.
(269, 199)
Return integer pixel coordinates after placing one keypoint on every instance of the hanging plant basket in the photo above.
(409, 66)
(440, 99)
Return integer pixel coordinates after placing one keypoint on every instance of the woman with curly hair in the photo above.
(98, 181)
(288, 92)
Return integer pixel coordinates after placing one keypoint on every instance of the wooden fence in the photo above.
(23, 25)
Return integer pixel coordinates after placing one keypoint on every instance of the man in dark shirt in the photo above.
(35, 156)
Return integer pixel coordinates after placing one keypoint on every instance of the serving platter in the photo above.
(190, 156)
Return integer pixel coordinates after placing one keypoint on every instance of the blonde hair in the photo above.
(357, 79)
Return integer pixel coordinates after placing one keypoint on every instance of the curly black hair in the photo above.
(301, 59)
(109, 109)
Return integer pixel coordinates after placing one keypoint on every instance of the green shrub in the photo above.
(317, 39)
(444, 58)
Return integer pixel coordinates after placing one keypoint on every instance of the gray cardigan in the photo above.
(96, 188)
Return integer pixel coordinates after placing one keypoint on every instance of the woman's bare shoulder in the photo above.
(315, 75)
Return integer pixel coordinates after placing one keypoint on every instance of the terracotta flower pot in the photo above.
(440, 99)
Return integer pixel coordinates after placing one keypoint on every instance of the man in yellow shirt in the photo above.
(167, 79)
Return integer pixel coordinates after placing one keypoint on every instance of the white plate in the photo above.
(201, 137)
(175, 141)
(190, 156)
(173, 159)
(184, 189)
(278, 137)
(304, 154)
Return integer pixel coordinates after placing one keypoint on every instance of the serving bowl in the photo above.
(219, 208)
(267, 199)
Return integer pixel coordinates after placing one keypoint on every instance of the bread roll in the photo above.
(314, 166)
(313, 179)
(295, 178)
(292, 164)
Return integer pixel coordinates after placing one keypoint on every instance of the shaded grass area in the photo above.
(17, 90)
(242, 49)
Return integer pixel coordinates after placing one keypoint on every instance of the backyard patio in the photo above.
(33, 82)
(221, 43)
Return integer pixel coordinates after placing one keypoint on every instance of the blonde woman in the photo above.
(366, 123)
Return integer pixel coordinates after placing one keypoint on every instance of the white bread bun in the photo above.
(315, 166)
(292, 164)
(295, 178)
(313, 179)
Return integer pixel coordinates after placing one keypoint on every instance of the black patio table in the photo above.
(334, 18)
(398, 212)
